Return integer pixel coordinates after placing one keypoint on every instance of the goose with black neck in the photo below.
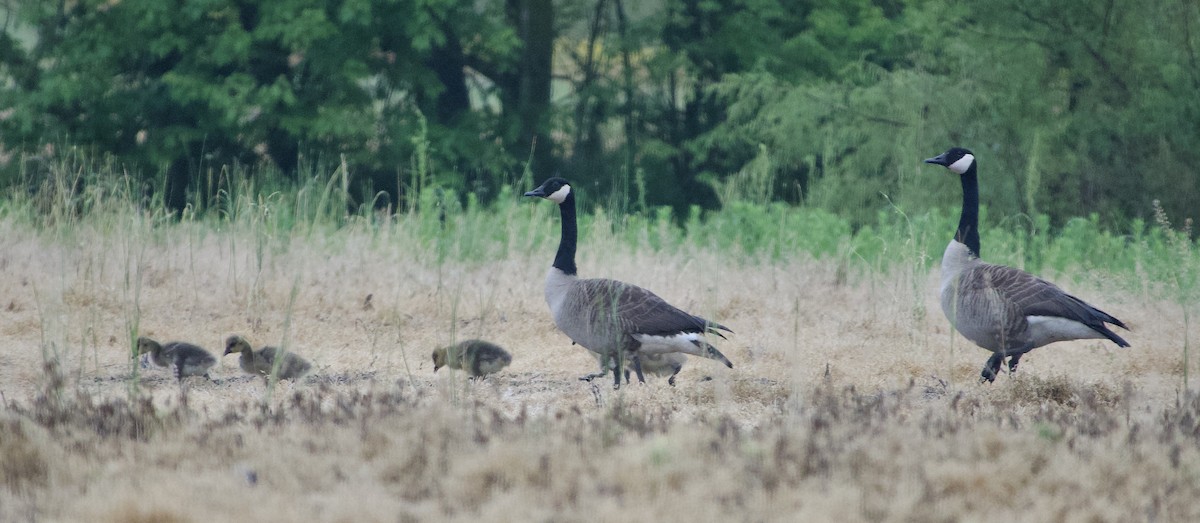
(614, 319)
(1003, 309)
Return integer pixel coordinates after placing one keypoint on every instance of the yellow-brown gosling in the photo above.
(262, 361)
(477, 357)
(185, 359)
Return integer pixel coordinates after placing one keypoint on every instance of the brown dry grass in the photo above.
(848, 402)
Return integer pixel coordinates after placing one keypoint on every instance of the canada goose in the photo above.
(185, 359)
(261, 362)
(478, 357)
(664, 364)
(612, 318)
(1002, 309)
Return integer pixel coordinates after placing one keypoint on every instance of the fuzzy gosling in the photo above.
(479, 358)
(662, 364)
(262, 361)
(185, 359)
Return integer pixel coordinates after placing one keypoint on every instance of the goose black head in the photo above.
(554, 189)
(956, 159)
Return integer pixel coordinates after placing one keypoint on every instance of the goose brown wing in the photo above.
(1028, 295)
(640, 311)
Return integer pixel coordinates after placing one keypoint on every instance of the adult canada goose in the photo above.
(262, 362)
(477, 357)
(612, 318)
(1005, 310)
(665, 364)
(185, 359)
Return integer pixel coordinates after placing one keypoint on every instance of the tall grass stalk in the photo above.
(420, 169)
(453, 336)
(1182, 274)
(135, 257)
(915, 264)
(408, 371)
(285, 344)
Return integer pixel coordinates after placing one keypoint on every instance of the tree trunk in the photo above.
(448, 62)
(534, 20)
(179, 177)
(628, 109)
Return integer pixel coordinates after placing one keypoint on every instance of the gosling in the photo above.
(185, 358)
(660, 364)
(261, 362)
(479, 358)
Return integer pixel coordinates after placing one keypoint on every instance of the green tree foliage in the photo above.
(685, 125)
(1074, 107)
(181, 85)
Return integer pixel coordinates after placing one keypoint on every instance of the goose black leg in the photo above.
(637, 368)
(991, 367)
(616, 370)
(671, 380)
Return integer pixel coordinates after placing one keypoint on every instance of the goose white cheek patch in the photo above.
(962, 164)
(560, 195)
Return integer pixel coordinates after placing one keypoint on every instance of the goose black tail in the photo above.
(712, 327)
(1099, 326)
(1103, 329)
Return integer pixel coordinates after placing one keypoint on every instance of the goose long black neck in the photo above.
(564, 260)
(968, 224)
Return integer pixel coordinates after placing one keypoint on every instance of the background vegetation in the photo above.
(341, 177)
(1075, 108)
(850, 398)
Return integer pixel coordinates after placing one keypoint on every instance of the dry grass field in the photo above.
(850, 399)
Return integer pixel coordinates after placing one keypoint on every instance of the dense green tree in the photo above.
(190, 86)
(1075, 107)
(683, 51)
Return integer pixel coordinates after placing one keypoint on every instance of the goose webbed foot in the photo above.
(588, 378)
(1012, 362)
(991, 368)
